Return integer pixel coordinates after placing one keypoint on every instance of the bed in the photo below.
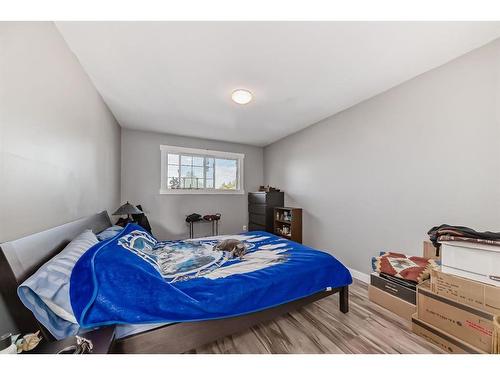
(21, 258)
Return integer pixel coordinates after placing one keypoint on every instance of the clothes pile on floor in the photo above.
(393, 283)
(403, 267)
(447, 232)
(451, 295)
(459, 308)
(468, 253)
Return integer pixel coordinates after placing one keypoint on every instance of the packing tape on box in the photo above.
(496, 335)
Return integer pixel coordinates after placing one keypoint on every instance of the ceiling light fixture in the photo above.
(241, 96)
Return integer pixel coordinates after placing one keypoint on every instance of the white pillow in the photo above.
(46, 293)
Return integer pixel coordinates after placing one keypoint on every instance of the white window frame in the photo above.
(165, 150)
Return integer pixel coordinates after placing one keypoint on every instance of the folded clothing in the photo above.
(406, 267)
(458, 233)
(445, 238)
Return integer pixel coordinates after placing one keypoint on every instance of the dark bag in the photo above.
(142, 220)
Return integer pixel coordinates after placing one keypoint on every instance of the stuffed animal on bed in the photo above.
(235, 248)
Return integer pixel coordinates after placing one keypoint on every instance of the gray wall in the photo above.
(167, 212)
(380, 174)
(59, 143)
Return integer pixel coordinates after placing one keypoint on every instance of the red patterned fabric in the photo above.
(412, 268)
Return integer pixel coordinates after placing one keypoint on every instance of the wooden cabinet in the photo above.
(261, 209)
(288, 223)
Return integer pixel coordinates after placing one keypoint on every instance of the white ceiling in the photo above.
(177, 77)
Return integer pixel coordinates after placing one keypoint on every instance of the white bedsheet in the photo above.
(124, 330)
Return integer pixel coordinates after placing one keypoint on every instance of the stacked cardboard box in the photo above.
(393, 295)
(430, 251)
(458, 314)
(476, 261)
(396, 295)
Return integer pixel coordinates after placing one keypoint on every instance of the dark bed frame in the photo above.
(19, 259)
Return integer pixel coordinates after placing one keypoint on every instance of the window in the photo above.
(197, 171)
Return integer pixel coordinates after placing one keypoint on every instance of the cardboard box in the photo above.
(471, 260)
(441, 339)
(469, 292)
(430, 251)
(464, 322)
(395, 288)
(398, 306)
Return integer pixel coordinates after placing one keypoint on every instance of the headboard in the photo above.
(20, 258)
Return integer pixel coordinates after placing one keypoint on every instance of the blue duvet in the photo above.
(134, 279)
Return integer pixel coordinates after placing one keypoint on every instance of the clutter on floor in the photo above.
(472, 260)
(455, 297)
(393, 283)
(441, 339)
(445, 232)
(404, 267)
(388, 298)
(462, 299)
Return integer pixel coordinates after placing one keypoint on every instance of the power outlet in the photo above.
(244, 228)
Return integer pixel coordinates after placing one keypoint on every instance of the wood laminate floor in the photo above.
(321, 328)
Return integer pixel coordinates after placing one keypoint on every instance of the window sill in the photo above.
(200, 192)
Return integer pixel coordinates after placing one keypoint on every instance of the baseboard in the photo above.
(358, 275)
